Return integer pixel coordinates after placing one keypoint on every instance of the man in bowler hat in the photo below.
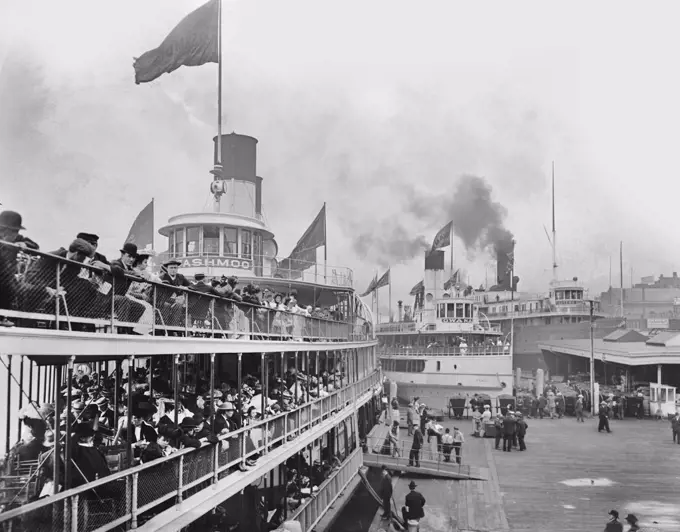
(415, 503)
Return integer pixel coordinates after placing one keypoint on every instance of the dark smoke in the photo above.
(477, 220)
(388, 243)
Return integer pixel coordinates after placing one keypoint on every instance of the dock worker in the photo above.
(521, 432)
(386, 493)
(486, 418)
(415, 503)
(498, 425)
(579, 409)
(416, 446)
(458, 442)
(447, 444)
(675, 427)
(604, 419)
(508, 432)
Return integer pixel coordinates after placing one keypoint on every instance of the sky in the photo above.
(379, 109)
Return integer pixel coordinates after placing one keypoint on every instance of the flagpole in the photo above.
(219, 82)
(451, 273)
(153, 215)
(389, 314)
(325, 246)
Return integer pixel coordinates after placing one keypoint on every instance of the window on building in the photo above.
(439, 365)
(230, 242)
(179, 242)
(246, 244)
(468, 310)
(450, 308)
(211, 240)
(193, 240)
(459, 310)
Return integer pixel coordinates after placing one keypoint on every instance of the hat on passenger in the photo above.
(172, 263)
(188, 423)
(412, 485)
(89, 237)
(84, 430)
(486, 406)
(199, 276)
(81, 246)
(129, 248)
(11, 220)
(614, 513)
(226, 406)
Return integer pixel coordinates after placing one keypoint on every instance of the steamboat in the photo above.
(154, 403)
(447, 347)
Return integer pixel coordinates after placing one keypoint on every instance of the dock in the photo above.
(568, 480)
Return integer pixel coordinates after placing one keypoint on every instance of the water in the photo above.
(358, 513)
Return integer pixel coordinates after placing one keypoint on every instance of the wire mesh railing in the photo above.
(486, 350)
(52, 291)
(314, 508)
(133, 495)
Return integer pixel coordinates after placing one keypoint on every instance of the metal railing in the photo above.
(263, 266)
(553, 311)
(425, 326)
(444, 351)
(122, 498)
(48, 291)
(313, 509)
(430, 456)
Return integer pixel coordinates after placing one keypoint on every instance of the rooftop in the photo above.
(625, 353)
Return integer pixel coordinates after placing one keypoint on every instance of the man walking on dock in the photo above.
(386, 493)
(414, 505)
(579, 409)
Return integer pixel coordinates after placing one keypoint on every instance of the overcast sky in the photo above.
(364, 105)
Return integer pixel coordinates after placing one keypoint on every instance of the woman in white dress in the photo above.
(142, 293)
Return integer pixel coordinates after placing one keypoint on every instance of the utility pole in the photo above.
(592, 358)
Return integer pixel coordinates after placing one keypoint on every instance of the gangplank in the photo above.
(430, 468)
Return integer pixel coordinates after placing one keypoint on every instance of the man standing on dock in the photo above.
(414, 505)
(508, 432)
(414, 455)
(386, 493)
(675, 427)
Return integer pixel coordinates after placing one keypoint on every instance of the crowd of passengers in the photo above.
(459, 343)
(159, 427)
(29, 283)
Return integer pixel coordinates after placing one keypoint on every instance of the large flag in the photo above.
(303, 255)
(416, 289)
(141, 232)
(453, 280)
(371, 286)
(193, 42)
(443, 237)
(384, 280)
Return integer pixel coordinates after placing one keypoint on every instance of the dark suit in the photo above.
(509, 425)
(386, 494)
(173, 314)
(521, 432)
(415, 503)
(200, 307)
(414, 455)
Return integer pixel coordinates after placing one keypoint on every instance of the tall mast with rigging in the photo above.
(554, 232)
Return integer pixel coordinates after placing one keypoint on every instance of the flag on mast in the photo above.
(141, 232)
(384, 280)
(303, 255)
(453, 280)
(416, 289)
(371, 286)
(443, 237)
(193, 42)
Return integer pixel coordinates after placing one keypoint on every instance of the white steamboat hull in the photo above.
(443, 377)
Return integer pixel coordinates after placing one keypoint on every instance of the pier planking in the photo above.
(525, 492)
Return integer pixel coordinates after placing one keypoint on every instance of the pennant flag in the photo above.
(452, 281)
(371, 286)
(443, 237)
(193, 42)
(384, 280)
(141, 232)
(416, 289)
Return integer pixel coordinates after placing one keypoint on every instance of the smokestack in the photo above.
(505, 256)
(400, 306)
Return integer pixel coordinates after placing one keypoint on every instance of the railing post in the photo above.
(113, 304)
(74, 513)
(133, 509)
(56, 297)
(180, 479)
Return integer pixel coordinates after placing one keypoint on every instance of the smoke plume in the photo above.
(387, 243)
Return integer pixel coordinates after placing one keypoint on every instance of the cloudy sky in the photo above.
(377, 108)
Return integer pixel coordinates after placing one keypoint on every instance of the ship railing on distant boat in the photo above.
(413, 327)
(581, 310)
(444, 351)
(90, 299)
(121, 498)
(264, 267)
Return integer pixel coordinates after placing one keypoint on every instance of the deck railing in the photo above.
(123, 498)
(51, 292)
(430, 456)
(398, 352)
(313, 509)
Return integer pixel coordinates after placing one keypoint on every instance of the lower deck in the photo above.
(569, 478)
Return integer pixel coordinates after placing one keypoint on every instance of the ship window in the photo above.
(441, 310)
(230, 242)
(460, 312)
(468, 310)
(246, 244)
(211, 240)
(171, 244)
(450, 312)
(179, 242)
(439, 365)
(193, 240)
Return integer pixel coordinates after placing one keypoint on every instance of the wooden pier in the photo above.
(569, 478)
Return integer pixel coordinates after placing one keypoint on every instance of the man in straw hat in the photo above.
(415, 502)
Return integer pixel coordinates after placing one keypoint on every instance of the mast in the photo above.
(621, 265)
(554, 232)
(218, 186)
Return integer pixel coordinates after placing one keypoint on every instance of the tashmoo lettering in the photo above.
(217, 262)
